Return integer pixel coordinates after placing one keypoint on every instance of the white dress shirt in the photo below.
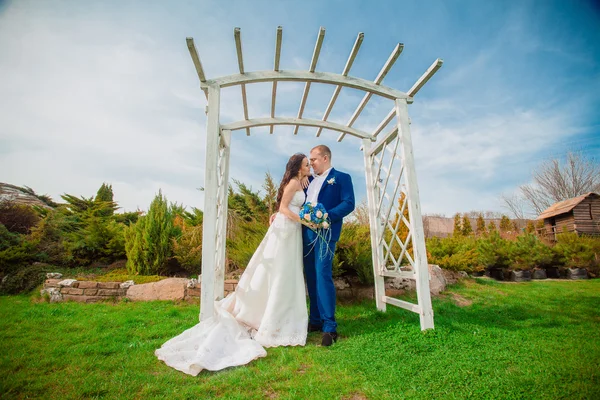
(312, 194)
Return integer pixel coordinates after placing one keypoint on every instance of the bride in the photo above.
(268, 307)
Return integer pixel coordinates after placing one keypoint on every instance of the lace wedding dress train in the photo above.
(267, 309)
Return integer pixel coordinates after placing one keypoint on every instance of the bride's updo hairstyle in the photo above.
(291, 171)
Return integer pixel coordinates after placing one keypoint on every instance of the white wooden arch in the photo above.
(397, 238)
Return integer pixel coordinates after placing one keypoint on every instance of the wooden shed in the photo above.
(580, 214)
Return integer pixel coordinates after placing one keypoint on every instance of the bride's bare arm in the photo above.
(288, 194)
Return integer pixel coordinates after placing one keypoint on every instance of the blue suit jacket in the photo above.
(337, 196)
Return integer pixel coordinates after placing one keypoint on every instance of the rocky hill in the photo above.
(20, 195)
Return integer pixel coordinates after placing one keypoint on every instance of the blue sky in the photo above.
(94, 92)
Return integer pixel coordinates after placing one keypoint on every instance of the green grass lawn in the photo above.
(492, 340)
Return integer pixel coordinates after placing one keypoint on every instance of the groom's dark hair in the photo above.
(324, 150)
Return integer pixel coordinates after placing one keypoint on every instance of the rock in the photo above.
(53, 275)
(400, 283)
(54, 293)
(87, 285)
(192, 283)
(437, 283)
(51, 283)
(167, 289)
(463, 274)
(520, 276)
(577, 273)
(539, 274)
(340, 284)
(67, 282)
(126, 284)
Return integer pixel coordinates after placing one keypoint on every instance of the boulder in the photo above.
(437, 281)
(167, 289)
(54, 293)
(539, 274)
(126, 284)
(577, 273)
(520, 276)
(67, 282)
(53, 275)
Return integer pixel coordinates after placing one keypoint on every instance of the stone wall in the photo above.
(90, 291)
(189, 289)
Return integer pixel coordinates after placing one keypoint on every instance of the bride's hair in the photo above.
(291, 171)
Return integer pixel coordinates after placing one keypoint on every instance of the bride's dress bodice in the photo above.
(297, 202)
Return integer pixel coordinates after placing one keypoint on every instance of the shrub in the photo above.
(578, 251)
(99, 239)
(49, 236)
(17, 254)
(17, 218)
(23, 279)
(187, 248)
(244, 240)
(529, 252)
(454, 253)
(7, 238)
(494, 251)
(354, 254)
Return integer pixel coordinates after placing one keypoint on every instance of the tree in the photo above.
(530, 227)
(247, 203)
(457, 225)
(555, 181)
(105, 193)
(492, 227)
(480, 226)
(505, 225)
(361, 214)
(148, 242)
(270, 188)
(467, 229)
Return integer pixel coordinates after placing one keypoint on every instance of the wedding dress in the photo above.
(267, 309)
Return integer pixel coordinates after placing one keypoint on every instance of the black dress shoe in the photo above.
(314, 328)
(329, 338)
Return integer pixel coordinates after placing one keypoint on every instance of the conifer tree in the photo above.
(492, 227)
(467, 229)
(148, 242)
(505, 225)
(530, 227)
(105, 193)
(457, 225)
(270, 188)
(480, 226)
(515, 226)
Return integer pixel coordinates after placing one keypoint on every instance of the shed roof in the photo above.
(564, 206)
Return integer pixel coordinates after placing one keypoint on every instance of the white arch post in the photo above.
(395, 221)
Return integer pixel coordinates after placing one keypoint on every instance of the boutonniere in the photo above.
(331, 181)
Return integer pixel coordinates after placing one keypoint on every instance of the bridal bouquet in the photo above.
(315, 217)
(314, 214)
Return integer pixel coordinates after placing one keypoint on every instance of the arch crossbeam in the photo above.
(307, 76)
(251, 123)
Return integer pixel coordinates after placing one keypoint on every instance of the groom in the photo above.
(334, 190)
